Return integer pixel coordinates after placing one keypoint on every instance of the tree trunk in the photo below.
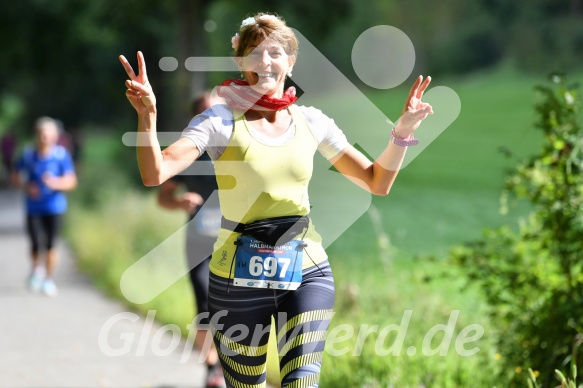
(191, 16)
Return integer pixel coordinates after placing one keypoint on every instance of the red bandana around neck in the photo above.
(239, 95)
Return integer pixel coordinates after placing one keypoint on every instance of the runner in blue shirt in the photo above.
(44, 172)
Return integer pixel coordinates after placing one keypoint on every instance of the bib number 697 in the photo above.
(268, 266)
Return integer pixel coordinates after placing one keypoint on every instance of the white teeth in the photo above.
(266, 74)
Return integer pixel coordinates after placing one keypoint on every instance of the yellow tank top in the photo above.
(258, 181)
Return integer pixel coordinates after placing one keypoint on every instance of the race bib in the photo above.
(208, 221)
(259, 265)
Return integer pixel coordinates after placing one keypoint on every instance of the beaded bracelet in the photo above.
(409, 141)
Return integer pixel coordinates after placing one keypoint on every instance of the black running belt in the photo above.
(272, 231)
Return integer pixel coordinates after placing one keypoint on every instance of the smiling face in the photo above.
(265, 67)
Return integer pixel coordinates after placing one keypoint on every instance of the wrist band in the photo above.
(403, 142)
(409, 141)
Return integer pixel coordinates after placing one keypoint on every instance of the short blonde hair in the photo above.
(255, 29)
(41, 121)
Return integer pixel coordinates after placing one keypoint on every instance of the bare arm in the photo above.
(155, 165)
(368, 175)
(67, 182)
(378, 176)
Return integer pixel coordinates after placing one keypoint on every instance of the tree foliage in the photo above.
(546, 34)
(533, 279)
(60, 57)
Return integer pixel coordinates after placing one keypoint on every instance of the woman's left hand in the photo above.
(190, 200)
(415, 110)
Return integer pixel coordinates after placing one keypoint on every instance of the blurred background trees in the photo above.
(60, 58)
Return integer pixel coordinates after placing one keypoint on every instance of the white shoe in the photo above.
(36, 278)
(49, 288)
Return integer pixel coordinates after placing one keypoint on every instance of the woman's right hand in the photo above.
(32, 190)
(139, 91)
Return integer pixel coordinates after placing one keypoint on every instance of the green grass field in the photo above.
(381, 264)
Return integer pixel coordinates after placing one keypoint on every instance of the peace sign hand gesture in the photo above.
(414, 111)
(139, 91)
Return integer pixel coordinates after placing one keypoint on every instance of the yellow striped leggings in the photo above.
(241, 321)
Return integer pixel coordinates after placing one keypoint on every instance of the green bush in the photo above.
(570, 381)
(532, 278)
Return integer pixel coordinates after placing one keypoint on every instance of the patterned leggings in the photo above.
(241, 320)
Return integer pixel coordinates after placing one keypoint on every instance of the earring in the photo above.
(289, 74)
